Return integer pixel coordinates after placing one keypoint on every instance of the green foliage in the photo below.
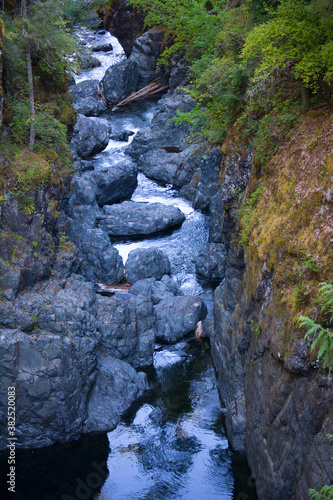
(50, 43)
(26, 203)
(50, 133)
(321, 326)
(248, 64)
(299, 39)
(326, 492)
(309, 261)
(188, 23)
(73, 11)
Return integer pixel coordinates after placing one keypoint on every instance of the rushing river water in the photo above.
(172, 444)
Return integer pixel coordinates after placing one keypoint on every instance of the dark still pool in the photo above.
(171, 445)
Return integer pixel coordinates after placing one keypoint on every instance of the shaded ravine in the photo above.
(171, 444)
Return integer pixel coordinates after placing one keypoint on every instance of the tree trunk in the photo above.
(305, 96)
(30, 79)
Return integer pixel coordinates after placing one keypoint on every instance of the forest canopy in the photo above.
(256, 62)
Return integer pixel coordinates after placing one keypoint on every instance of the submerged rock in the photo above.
(138, 218)
(146, 263)
(87, 61)
(101, 46)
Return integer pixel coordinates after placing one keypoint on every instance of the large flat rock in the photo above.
(138, 218)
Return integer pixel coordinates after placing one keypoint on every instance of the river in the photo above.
(172, 443)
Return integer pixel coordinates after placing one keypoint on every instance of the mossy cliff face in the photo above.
(31, 189)
(279, 402)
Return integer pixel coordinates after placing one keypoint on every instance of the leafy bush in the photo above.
(298, 37)
(50, 133)
(321, 326)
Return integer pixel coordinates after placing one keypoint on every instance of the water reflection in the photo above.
(174, 446)
(74, 471)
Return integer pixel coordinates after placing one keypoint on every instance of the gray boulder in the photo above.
(142, 287)
(179, 75)
(162, 133)
(68, 260)
(85, 216)
(52, 376)
(87, 61)
(178, 316)
(115, 183)
(59, 307)
(126, 326)
(85, 98)
(155, 290)
(160, 291)
(91, 136)
(211, 262)
(146, 263)
(139, 218)
(119, 81)
(117, 386)
(101, 261)
(122, 136)
(84, 190)
(71, 311)
(101, 46)
(169, 165)
(146, 49)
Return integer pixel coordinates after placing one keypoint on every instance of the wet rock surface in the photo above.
(146, 263)
(178, 316)
(126, 325)
(146, 49)
(139, 218)
(211, 262)
(161, 133)
(72, 353)
(120, 81)
(85, 98)
(276, 402)
(117, 386)
(91, 136)
(116, 183)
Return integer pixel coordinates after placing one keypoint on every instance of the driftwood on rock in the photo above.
(153, 88)
(116, 287)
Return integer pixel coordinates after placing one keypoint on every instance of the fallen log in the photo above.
(116, 287)
(153, 88)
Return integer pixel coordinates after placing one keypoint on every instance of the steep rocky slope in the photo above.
(278, 398)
